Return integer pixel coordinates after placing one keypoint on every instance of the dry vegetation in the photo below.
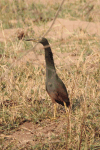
(25, 108)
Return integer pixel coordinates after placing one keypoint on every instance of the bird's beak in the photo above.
(34, 40)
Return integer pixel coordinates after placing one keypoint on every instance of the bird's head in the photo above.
(43, 41)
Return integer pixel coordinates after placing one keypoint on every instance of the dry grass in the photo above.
(23, 97)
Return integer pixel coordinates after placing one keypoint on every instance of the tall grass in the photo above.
(23, 97)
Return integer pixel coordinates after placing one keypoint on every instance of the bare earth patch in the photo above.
(62, 29)
(43, 132)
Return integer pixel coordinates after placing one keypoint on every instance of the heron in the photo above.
(55, 87)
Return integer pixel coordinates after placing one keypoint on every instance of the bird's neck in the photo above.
(50, 67)
(49, 59)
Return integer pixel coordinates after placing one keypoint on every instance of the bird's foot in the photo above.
(53, 118)
(63, 116)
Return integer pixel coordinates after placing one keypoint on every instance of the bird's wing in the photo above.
(59, 95)
(62, 92)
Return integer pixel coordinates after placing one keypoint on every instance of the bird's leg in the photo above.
(68, 120)
(54, 110)
(66, 109)
(68, 125)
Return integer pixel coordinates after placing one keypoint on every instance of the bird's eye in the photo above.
(49, 84)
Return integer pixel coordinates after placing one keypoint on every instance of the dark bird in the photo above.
(54, 85)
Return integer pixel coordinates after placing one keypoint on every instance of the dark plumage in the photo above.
(54, 85)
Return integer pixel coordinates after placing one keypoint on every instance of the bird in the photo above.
(54, 85)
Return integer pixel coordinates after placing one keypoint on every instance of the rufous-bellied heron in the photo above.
(54, 85)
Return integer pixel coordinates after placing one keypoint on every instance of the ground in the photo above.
(36, 130)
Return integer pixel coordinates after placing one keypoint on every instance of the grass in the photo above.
(19, 14)
(23, 97)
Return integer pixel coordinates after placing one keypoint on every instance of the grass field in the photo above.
(25, 108)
